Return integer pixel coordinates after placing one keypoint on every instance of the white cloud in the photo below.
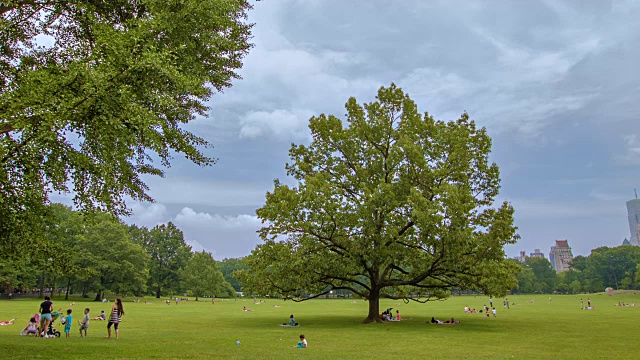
(281, 124)
(203, 190)
(222, 235)
(631, 154)
(148, 215)
(437, 92)
(529, 65)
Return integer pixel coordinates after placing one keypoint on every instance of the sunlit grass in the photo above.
(200, 330)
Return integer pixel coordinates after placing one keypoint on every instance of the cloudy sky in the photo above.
(553, 82)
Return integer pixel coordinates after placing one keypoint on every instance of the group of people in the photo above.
(41, 323)
(387, 315)
(484, 309)
(505, 303)
(624, 304)
(588, 307)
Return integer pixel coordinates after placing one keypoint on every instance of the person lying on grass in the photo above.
(448, 322)
(10, 322)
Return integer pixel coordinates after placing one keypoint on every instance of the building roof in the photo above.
(562, 243)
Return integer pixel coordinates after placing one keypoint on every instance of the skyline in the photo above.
(552, 81)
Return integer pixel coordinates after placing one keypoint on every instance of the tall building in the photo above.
(560, 256)
(537, 253)
(633, 210)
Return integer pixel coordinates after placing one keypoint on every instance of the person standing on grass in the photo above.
(588, 303)
(67, 323)
(84, 324)
(45, 309)
(493, 310)
(490, 302)
(116, 316)
(581, 304)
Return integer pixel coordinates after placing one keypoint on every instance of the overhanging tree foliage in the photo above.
(90, 111)
(393, 205)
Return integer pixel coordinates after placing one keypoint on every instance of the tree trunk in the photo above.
(53, 287)
(196, 297)
(66, 296)
(374, 308)
(158, 292)
(42, 285)
(98, 297)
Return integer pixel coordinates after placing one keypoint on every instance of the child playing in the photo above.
(302, 344)
(32, 328)
(67, 324)
(84, 324)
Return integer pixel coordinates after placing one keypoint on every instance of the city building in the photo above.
(561, 256)
(537, 253)
(522, 257)
(633, 210)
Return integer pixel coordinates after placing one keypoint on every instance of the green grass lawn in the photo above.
(199, 330)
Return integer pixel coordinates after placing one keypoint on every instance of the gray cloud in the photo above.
(555, 83)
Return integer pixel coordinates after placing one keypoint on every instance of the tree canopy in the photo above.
(97, 253)
(617, 267)
(392, 204)
(94, 94)
(168, 253)
(202, 277)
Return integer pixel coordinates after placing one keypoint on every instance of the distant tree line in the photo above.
(617, 268)
(93, 254)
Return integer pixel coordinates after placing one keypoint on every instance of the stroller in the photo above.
(55, 319)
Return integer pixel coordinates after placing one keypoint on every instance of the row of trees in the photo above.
(617, 268)
(96, 253)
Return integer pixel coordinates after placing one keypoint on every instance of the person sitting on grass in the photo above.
(244, 308)
(102, 316)
(302, 344)
(31, 329)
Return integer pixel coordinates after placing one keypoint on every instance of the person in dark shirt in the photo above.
(45, 319)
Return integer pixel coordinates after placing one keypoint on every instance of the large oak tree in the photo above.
(95, 94)
(389, 203)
